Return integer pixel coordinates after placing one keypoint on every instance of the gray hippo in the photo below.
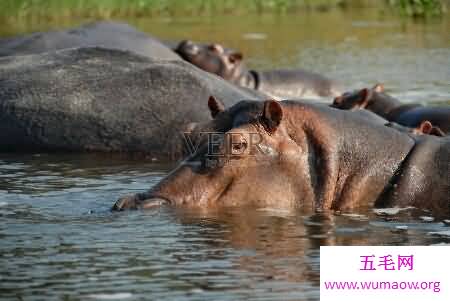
(94, 99)
(229, 64)
(305, 155)
(410, 115)
(112, 35)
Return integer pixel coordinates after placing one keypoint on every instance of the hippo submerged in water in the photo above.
(111, 35)
(229, 64)
(409, 115)
(308, 155)
(94, 99)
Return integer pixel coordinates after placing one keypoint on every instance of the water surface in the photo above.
(356, 47)
(58, 239)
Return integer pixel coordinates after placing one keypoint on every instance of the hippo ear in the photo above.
(425, 127)
(215, 106)
(364, 97)
(272, 115)
(379, 88)
(235, 57)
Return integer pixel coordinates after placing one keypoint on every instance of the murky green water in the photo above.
(355, 47)
(58, 239)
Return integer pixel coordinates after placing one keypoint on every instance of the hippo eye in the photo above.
(239, 147)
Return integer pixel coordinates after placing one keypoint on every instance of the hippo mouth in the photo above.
(153, 202)
(136, 202)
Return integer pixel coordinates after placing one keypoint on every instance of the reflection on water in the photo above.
(59, 239)
(356, 47)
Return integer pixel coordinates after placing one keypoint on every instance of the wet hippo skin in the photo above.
(229, 64)
(105, 34)
(305, 155)
(410, 115)
(94, 99)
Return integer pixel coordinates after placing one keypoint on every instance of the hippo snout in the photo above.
(134, 202)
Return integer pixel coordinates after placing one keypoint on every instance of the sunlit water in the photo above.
(58, 239)
(355, 47)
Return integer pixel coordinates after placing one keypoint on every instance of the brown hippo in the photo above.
(229, 64)
(307, 155)
(390, 108)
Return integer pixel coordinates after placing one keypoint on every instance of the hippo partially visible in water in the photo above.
(229, 64)
(411, 115)
(95, 99)
(424, 128)
(312, 156)
(113, 35)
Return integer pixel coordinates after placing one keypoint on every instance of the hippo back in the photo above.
(423, 180)
(104, 100)
(103, 34)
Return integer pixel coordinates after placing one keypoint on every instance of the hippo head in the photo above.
(358, 99)
(212, 58)
(424, 128)
(247, 159)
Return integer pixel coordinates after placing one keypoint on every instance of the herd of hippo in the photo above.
(107, 87)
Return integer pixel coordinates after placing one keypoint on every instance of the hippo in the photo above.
(283, 84)
(390, 108)
(306, 155)
(104, 100)
(104, 34)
